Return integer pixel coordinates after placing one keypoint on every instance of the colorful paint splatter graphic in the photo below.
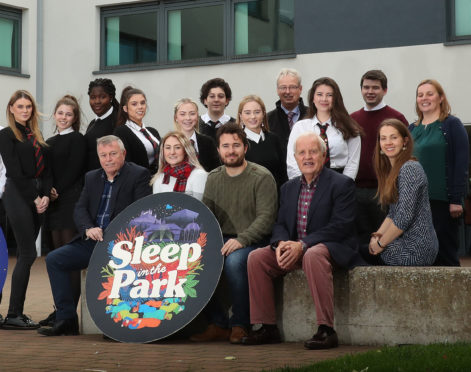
(153, 268)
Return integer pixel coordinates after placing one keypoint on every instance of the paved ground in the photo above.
(28, 351)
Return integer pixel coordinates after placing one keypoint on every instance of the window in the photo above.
(460, 20)
(166, 33)
(10, 39)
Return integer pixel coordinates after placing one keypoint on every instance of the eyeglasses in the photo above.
(284, 88)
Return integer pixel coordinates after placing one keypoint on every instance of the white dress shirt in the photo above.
(105, 115)
(251, 135)
(222, 120)
(137, 131)
(343, 154)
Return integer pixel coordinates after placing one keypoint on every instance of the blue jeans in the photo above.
(60, 262)
(235, 272)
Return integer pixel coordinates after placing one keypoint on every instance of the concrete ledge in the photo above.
(87, 325)
(384, 305)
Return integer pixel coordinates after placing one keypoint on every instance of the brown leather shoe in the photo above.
(322, 340)
(263, 335)
(212, 333)
(237, 334)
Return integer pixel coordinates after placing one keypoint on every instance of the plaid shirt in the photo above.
(304, 202)
(103, 217)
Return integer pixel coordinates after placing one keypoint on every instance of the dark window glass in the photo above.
(131, 39)
(10, 21)
(195, 33)
(263, 26)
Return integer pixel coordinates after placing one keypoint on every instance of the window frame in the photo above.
(14, 14)
(162, 8)
(452, 38)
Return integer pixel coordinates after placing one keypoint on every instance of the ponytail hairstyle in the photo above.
(109, 89)
(71, 101)
(126, 94)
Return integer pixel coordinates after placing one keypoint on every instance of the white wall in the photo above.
(71, 54)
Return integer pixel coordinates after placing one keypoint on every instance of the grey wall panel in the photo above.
(337, 25)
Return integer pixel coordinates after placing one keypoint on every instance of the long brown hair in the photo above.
(126, 94)
(71, 101)
(32, 123)
(445, 108)
(340, 117)
(257, 99)
(385, 173)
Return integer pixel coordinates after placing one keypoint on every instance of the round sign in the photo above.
(157, 267)
(3, 260)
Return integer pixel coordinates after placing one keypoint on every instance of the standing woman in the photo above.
(329, 118)
(26, 195)
(179, 169)
(264, 146)
(406, 237)
(186, 121)
(441, 145)
(67, 151)
(103, 102)
(142, 143)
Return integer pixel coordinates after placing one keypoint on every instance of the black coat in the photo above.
(278, 122)
(135, 149)
(208, 155)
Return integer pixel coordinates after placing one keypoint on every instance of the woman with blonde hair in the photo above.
(406, 237)
(441, 146)
(26, 195)
(179, 169)
(185, 116)
(264, 146)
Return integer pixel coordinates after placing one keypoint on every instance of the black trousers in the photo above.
(25, 223)
(447, 229)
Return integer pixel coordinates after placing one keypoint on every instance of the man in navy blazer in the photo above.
(106, 193)
(315, 231)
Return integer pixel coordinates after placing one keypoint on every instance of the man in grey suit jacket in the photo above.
(315, 231)
(106, 193)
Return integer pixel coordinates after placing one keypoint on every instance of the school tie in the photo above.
(38, 154)
(290, 119)
(193, 144)
(214, 124)
(323, 135)
(153, 143)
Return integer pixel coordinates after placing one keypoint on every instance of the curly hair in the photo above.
(108, 87)
(215, 83)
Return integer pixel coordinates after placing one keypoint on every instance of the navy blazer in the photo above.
(131, 185)
(331, 217)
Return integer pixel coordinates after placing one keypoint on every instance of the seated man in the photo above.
(314, 230)
(106, 193)
(243, 197)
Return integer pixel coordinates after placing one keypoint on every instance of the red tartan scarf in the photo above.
(181, 172)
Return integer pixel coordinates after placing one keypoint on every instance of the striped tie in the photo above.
(153, 143)
(38, 154)
(290, 119)
(323, 135)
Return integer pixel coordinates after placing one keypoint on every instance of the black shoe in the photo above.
(264, 335)
(325, 338)
(19, 322)
(49, 321)
(1, 320)
(61, 327)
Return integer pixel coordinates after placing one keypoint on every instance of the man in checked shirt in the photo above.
(315, 232)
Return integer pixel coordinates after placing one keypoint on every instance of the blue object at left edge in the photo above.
(3, 259)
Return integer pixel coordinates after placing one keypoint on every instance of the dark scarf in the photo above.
(181, 172)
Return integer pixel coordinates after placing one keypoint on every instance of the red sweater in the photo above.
(370, 121)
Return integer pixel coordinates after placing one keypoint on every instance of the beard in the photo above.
(239, 161)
